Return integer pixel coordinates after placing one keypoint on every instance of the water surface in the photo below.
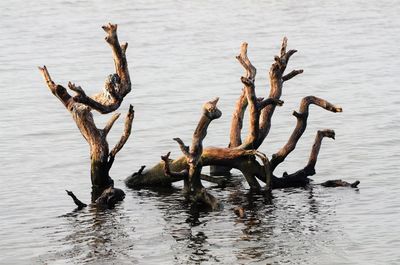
(181, 54)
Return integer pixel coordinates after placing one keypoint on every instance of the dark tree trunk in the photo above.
(116, 87)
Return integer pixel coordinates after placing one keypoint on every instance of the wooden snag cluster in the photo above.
(239, 154)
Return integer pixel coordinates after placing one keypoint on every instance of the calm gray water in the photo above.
(181, 54)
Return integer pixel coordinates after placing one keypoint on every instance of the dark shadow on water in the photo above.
(273, 228)
(277, 228)
(94, 236)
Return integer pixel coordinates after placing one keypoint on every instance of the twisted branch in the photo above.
(276, 78)
(301, 125)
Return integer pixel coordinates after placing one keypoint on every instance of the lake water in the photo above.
(181, 54)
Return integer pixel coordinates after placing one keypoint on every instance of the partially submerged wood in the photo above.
(241, 154)
(276, 78)
(193, 187)
(116, 87)
(78, 203)
(340, 183)
(301, 125)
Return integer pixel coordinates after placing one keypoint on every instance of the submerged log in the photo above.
(340, 183)
(242, 155)
(116, 87)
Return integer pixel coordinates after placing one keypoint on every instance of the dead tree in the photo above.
(116, 87)
(240, 154)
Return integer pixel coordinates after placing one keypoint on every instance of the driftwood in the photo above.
(239, 154)
(242, 154)
(116, 87)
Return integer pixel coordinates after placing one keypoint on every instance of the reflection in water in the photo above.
(293, 226)
(95, 236)
(182, 53)
(274, 229)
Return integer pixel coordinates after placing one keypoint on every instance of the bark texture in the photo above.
(116, 87)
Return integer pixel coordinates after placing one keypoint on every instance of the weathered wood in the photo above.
(242, 155)
(276, 78)
(249, 99)
(237, 120)
(300, 177)
(301, 125)
(249, 87)
(78, 203)
(175, 176)
(192, 182)
(117, 86)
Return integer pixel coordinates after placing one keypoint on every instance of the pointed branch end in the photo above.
(247, 81)
(109, 27)
(211, 110)
(327, 133)
(76, 89)
(283, 46)
(131, 110)
(337, 109)
(214, 101)
(165, 157)
(42, 68)
(243, 50)
(355, 184)
(279, 102)
(111, 30)
(131, 113)
(124, 46)
(292, 74)
(297, 115)
(141, 169)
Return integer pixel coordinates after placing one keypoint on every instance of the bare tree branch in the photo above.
(78, 203)
(292, 74)
(59, 91)
(276, 83)
(110, 123)
(317, 145)
(301, 125)
(175, 176)
(126, 134)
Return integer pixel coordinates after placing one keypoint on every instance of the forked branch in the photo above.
(117, 85)
(192, 183)
(175, 176)
(277, 78)
(301, 125)
(116, 88)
